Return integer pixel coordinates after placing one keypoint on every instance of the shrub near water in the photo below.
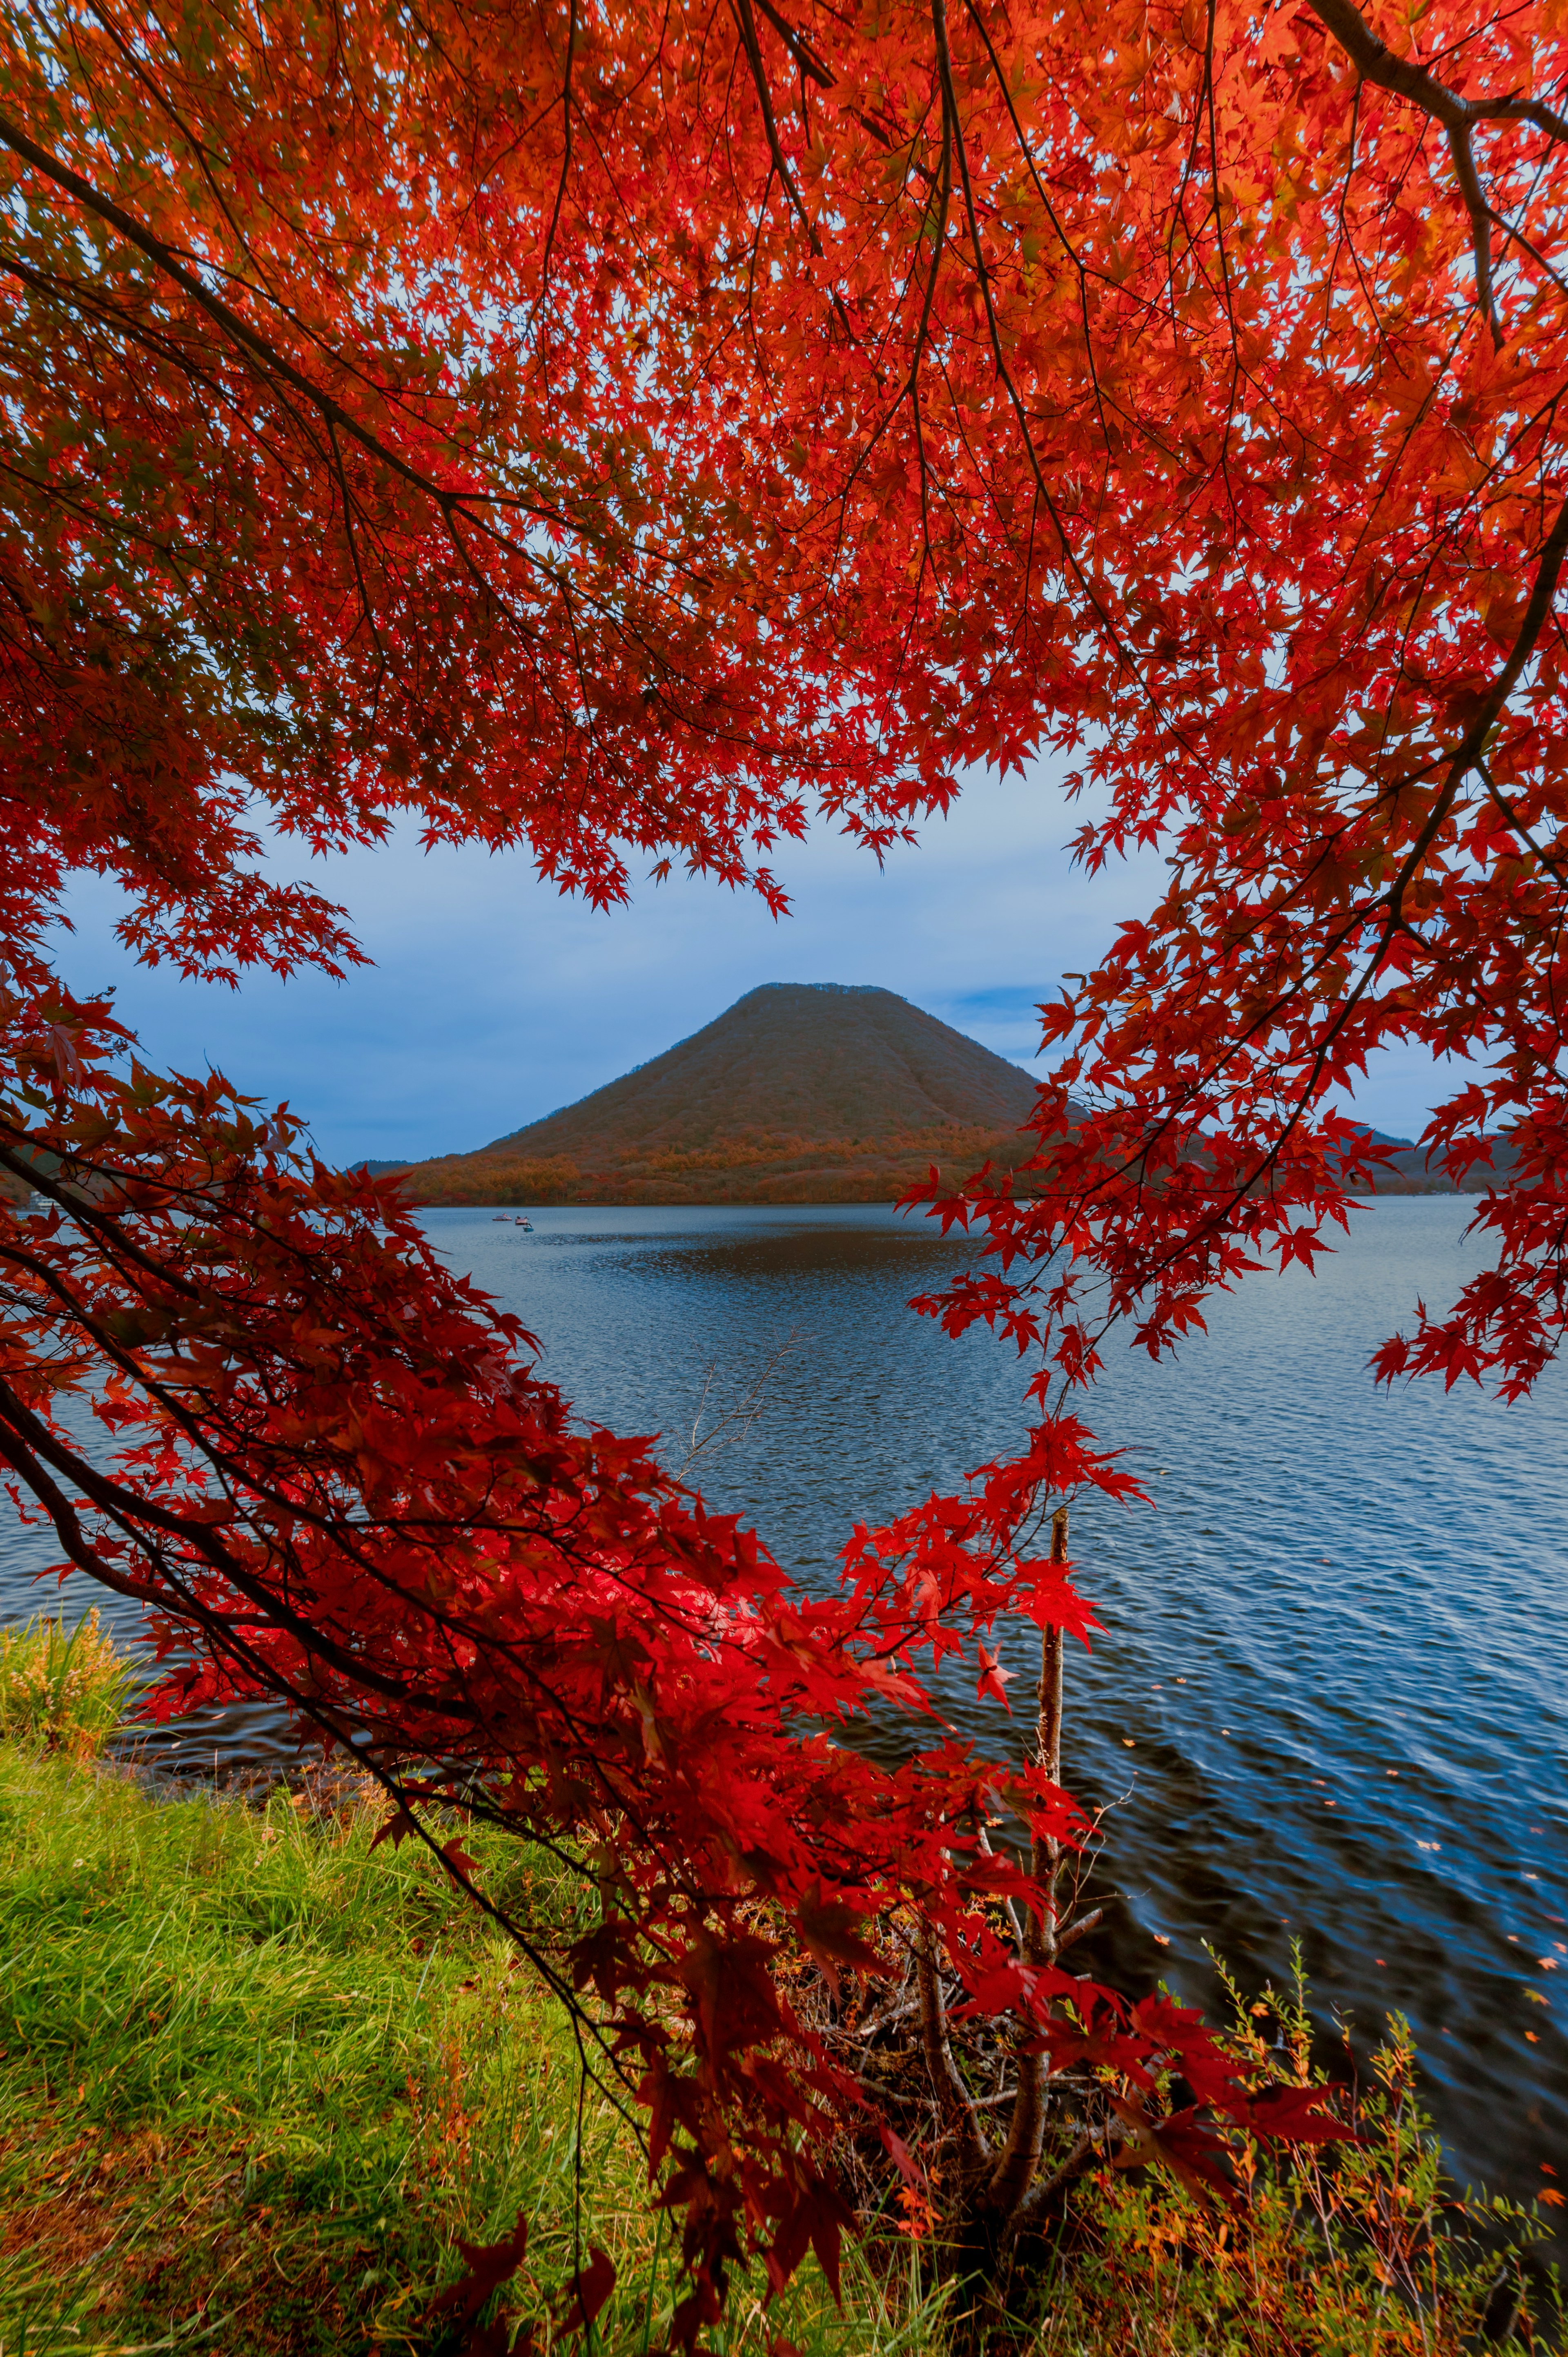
(62, 1690)
(1343, 2250)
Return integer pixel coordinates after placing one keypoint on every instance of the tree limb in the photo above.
(952, 2092)
(1020, 2155)
(1407, 79)
(800, 48)
(251, 342)
(747, 23)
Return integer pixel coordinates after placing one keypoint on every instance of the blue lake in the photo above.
(1330, 1701)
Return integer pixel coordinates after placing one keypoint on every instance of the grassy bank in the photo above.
(257, 2082)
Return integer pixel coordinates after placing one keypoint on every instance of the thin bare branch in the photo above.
(800, 48)
(951, 2092)
(1020, 2155)
(747, 23)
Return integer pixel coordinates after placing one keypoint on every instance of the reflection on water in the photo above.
(1330, 1698)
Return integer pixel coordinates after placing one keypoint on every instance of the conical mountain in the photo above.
(799, 1092)
(811, 1061)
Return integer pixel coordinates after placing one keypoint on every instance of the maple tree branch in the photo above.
(128, 1511)
(406, 1796)
(1500, 221)
(65, 1520)
(747, 23)
(982, 1842)
(949, 108)
(1020, 412)
(800, 48)
(1079, 268)
(235, 1477)
(149, 83)
(194, 1534)
(1076, 1931)
(1020, 2155)
(1407, 79)
(1559, 875)
(1466, 756)
(250, 340)
(1078, 2159)
(20, 1428)
(1471, 748)
(452, 505)
(566, 151)
(351, 535)
(912, 385)
(27, 1443)
(1480, 214)
(1217, 209)
(947, 2081)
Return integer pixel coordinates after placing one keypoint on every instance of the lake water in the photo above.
(1330, 1701)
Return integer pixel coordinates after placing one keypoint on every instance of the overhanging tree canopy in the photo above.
(625, 431)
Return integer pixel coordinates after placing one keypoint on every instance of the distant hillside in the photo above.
(1409, 1172)
(802, 1093)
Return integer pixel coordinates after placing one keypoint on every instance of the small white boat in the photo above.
(525, 1223)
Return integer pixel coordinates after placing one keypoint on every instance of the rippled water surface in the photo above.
(1330, 1700)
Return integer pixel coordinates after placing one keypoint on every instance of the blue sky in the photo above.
(492, 1000)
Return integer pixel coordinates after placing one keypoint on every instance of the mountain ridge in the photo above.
(799, 1092)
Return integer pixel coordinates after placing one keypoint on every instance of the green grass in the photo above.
(256, 2081)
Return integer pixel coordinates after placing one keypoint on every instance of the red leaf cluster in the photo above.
(623, 429)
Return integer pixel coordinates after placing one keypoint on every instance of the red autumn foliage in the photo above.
(635, 428)
(336, 1466)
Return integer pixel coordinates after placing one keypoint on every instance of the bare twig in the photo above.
(737, 1420)
(883, 2021)
(982, 1842)
(953, 2095)
(1076, 1931)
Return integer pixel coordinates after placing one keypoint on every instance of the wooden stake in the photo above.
(1047, 1860)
